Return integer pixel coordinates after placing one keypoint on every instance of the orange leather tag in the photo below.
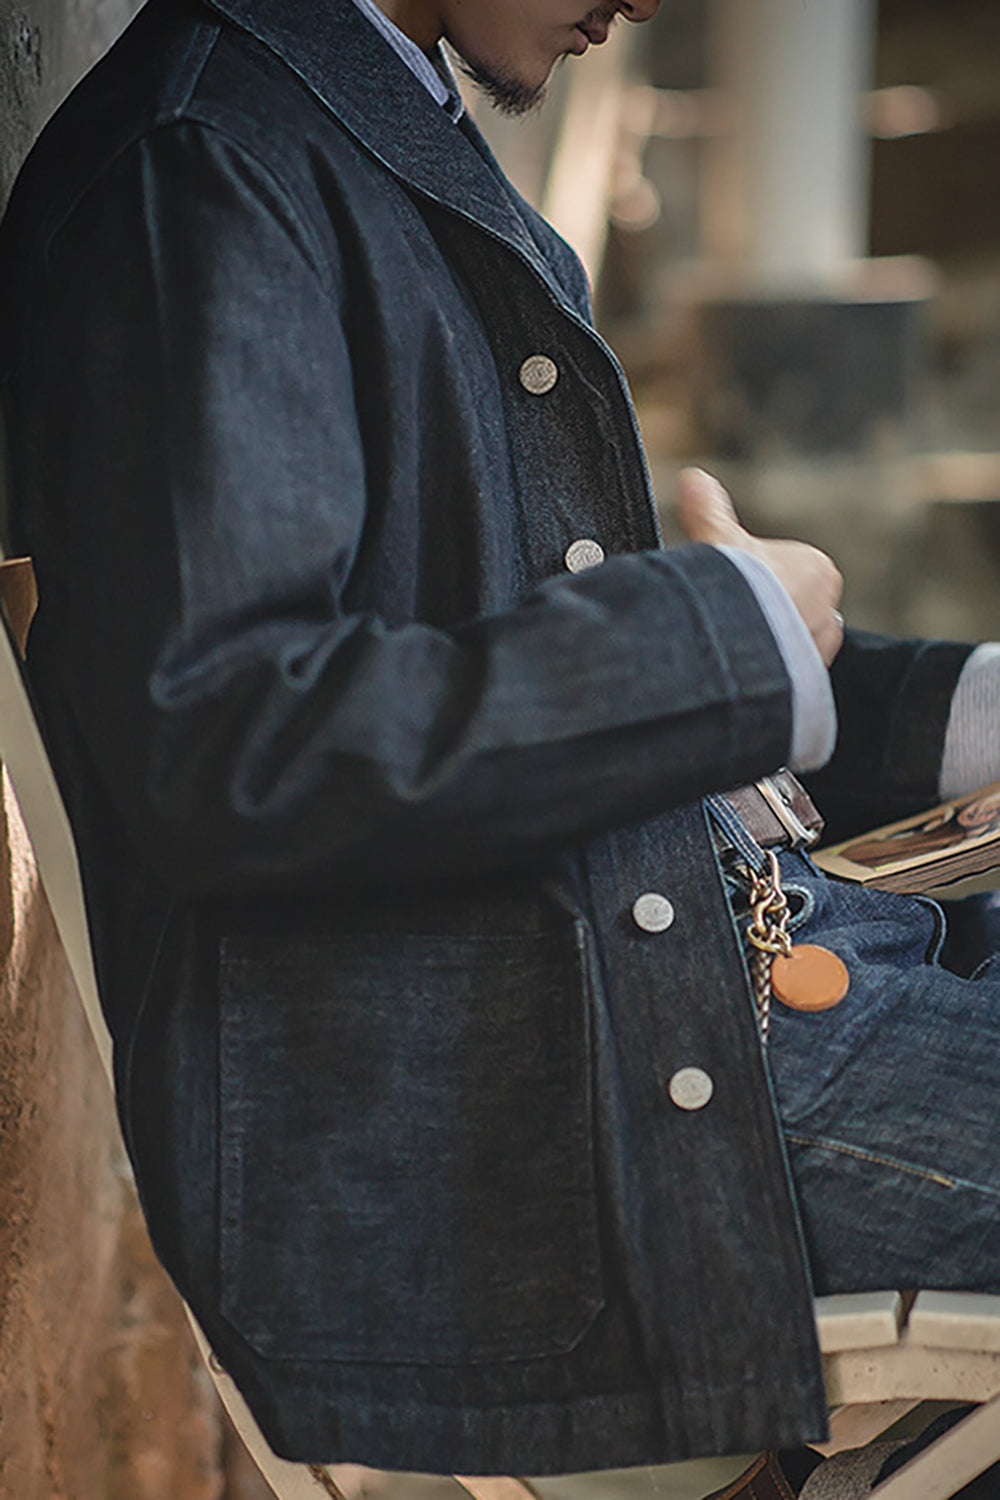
(810, 978)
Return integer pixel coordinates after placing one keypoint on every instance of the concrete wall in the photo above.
(45, 45)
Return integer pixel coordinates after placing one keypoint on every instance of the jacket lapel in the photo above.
(340, 56)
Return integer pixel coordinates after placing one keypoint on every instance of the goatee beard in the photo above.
(509, 95)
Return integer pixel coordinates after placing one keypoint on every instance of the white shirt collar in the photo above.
(416, 60)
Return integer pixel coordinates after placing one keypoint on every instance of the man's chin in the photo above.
(508, 93)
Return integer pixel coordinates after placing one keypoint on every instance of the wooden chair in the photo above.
(884, 1352)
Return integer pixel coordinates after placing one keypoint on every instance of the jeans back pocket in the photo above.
(406, 1146)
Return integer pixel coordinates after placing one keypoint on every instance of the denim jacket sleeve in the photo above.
(252, 726)
(893, 699)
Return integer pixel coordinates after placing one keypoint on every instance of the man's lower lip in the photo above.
(581, 41)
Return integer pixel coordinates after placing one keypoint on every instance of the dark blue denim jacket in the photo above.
(366, 782)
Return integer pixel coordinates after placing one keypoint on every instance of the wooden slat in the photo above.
(860, 1320)
(42, 809)
(911, 1370)
(693, 1480)
(947, 1465)
(854, 1426)
(499, 1487)
(956, 1320)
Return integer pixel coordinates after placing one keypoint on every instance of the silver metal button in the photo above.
(653, 912)
(584, 554)
(691, 1088)
(539, 374)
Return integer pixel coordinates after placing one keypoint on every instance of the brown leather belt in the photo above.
(778, 812)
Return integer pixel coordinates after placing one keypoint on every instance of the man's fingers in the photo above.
(705, 511)
(810, 578)
(829, 637)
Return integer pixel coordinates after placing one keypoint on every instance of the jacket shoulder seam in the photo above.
(192, 119)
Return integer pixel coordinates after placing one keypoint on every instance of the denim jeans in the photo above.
(890, 1101)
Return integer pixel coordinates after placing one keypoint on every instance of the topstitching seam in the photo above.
(862, 1154)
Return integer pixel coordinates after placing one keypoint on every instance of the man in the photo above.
(385, 724)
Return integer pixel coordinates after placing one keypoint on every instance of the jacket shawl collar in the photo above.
(350, 68)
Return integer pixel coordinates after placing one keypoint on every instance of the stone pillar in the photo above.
(785, 200)
(806, 346)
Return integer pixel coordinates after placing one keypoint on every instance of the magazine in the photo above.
(951, 850)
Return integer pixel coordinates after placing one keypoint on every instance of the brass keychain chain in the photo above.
(767, 933)
(803, 976)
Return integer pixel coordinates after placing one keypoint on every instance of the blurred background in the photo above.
(789, 213)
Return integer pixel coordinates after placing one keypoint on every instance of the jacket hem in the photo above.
(612, 1431)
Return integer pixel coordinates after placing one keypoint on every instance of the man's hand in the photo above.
(813, 581)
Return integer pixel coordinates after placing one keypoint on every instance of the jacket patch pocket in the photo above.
(406, 1146)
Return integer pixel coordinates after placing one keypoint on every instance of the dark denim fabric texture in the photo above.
(889, 1102)
(365, 783)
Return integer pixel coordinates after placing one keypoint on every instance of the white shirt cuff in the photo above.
(972, 740)
(814, 715)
